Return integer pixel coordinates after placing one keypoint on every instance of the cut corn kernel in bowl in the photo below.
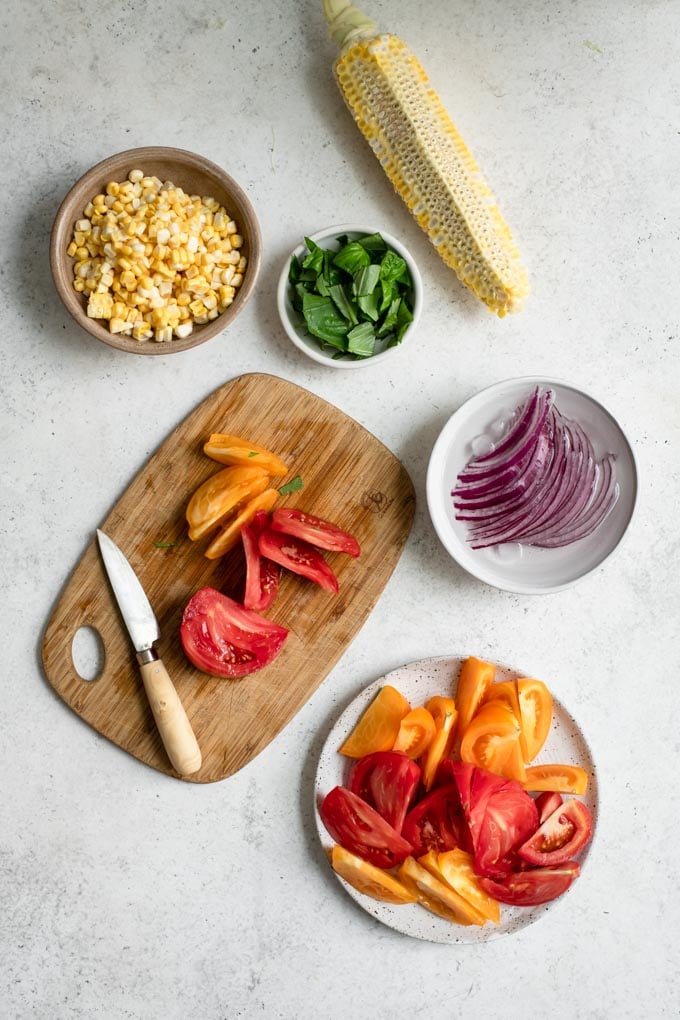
(155, 250)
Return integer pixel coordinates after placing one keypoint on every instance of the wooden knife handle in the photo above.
(172, 721)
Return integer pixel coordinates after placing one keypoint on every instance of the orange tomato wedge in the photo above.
(368, 879)
(379, 725)
(455, 868)
(220, 494)
(476, 676)
(444, 714)
(492, 741)
(229, 534)
(556, 779)
(435, 895)
(416, 731)
(236, 450)
(506, 691)
(536, 710)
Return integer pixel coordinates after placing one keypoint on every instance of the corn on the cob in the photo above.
(429, 165)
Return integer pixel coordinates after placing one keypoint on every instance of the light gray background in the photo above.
(127, 894)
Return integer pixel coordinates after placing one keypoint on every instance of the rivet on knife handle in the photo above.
(171, 719)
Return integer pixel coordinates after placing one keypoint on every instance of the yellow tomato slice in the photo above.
(491, 741)
(379, 725)
(368, 879)
(229, 533)
(476, 676)
(220, 494)
(236, 450)
(506, 691)
(444, 714)
(436, 896)
(416, 731)
(456, 869)
(556, 779)
(536, 709)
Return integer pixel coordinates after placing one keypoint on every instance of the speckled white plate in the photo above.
(525, 569)
(419, 681)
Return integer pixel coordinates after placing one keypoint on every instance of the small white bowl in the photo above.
(295, 328)
(526, 569)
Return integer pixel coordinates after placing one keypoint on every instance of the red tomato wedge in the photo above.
(500, 815)
(262, 574)
(530, 888)
(436, 822)
(546, 803)
(222, 638)
(314, 530)
(561, 836)
(299, 557)
(386, 780)
(358, 827)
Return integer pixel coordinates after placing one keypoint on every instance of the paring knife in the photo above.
(173, 725)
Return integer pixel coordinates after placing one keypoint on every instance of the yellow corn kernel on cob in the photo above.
(428, 163)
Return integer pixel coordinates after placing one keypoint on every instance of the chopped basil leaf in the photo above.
(294, 485)
(366, 280)
(165, 545)
(361, 340)
(352, 257)
(392, 267)
(357, 300)
(323, 320)
(368, 304)
(373, 242)
(343, 304)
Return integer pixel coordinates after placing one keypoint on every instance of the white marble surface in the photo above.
(127, 894)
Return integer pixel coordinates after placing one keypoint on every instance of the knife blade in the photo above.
(171, 719)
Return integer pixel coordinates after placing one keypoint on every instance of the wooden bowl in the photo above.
(196, 175)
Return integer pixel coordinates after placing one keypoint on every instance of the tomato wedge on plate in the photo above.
(455, 867)
(262, 574)
(546, 803)
(476, 676)
(444, 714)
(436, 822)
(299, 557)
(561, 836)
(500, 816)
(378, 726)
(532, 887)
(222, 638)
(536, 711)
(387, 781)
(359, 828)
(556, 779)
(435, 895)
(314, 530)
(416, 732)
(492, 741)
(369, 880)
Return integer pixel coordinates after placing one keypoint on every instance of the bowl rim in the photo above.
(284, 306)
(62, 227)
(433, 486)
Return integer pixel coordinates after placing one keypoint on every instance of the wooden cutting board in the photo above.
(349, 478)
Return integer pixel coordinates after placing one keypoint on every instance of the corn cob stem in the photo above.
(428, 163)
(346, 23)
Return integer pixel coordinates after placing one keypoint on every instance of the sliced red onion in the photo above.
(542, 485)
(507, 454)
